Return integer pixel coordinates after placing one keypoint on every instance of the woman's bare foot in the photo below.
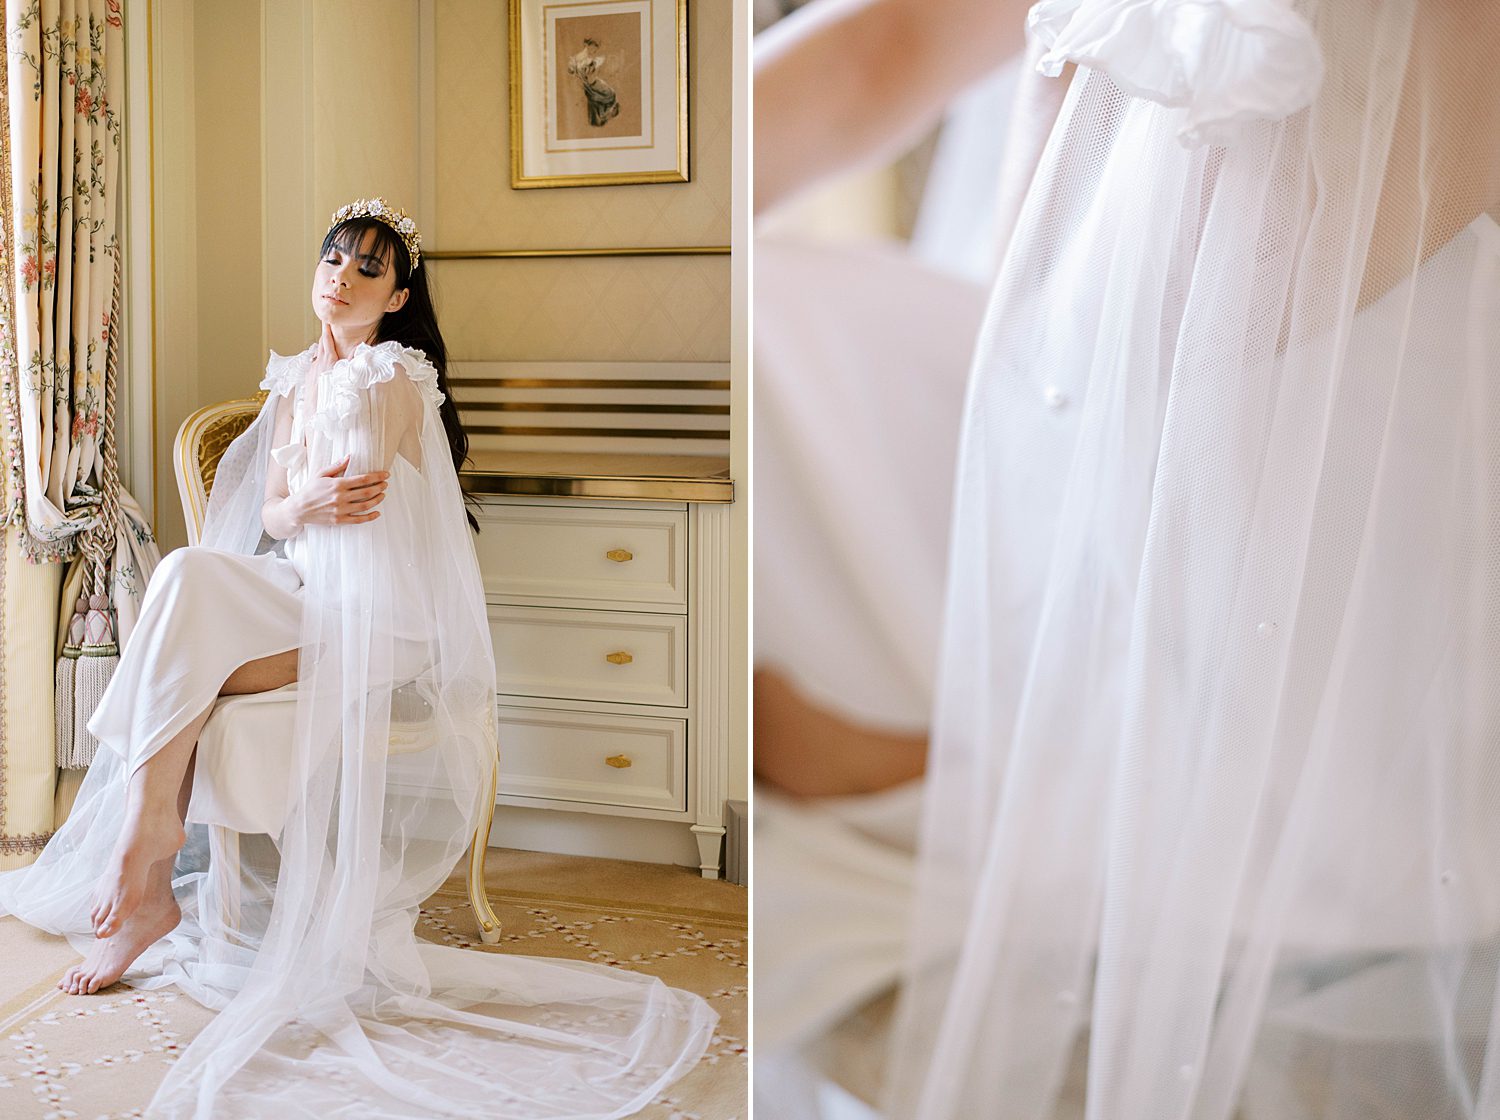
(156, 916)
(808, 751)
(146, 840)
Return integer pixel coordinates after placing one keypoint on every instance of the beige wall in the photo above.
(273, 114)
(227, 181)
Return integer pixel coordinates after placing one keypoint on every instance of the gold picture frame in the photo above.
(598, 92)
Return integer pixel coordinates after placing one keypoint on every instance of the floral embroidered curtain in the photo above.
(59, 335)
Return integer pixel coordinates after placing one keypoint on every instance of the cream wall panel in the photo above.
(365, 96)
(134, 416)
(228, 212)
(286, 172)
(173, 379)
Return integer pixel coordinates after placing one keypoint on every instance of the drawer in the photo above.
(634, 761)
(590, 655)
(553, 552)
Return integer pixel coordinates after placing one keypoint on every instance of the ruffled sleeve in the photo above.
(350, 379)
(284, 372)
(380, 363)
(1227, 62)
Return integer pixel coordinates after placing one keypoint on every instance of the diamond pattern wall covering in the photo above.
(591, 309)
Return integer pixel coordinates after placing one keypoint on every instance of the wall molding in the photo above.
(135, 413)
(622, 251)
(164, 216)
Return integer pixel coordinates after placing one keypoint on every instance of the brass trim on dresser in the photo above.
(596, 406)
(610, 433)
(587, 383)
(616, 487)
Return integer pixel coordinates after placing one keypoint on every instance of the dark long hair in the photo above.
(414, 324)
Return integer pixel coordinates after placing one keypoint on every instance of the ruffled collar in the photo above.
(342, 384)
(361, 354)
(362, 367)
(283, 371)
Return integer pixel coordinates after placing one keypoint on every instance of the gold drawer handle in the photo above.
(619, 657)
(618, 761)
(620, 555)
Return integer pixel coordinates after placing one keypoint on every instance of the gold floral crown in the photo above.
(382, 210)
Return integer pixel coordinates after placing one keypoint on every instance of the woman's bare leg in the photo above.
(152, 831)
(262, 675)
(156, 916)
(808, 751)
(134, 905)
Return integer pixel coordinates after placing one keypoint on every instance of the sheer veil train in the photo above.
(1214, 792)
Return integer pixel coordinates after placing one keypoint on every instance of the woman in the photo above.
(336, 554)
(1212, 801)
(604, 104)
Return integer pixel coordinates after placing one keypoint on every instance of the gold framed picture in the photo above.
(598, 92)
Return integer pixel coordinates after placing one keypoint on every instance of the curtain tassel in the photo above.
(95, 665)
(65, 683)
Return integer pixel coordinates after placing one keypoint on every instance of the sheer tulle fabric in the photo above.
(331, 1006)
(1214, 790)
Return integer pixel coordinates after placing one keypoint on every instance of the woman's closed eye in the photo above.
(365, 269)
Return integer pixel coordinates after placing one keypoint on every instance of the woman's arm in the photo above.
(1034, 110)
(330, 497)
(277, 517)
(845, 82)
(395, 424)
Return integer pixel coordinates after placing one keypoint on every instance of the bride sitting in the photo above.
(336, 554)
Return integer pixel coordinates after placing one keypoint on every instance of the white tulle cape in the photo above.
(330, 1006)
(1214, 800)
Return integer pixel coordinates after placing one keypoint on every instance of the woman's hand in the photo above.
(332, 498)
(326, 354)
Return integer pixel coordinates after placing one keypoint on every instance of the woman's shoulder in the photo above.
(283, 372)
(369, 366)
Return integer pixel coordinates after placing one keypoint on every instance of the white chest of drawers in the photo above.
(610, 623)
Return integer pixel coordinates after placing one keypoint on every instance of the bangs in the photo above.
(348, 236)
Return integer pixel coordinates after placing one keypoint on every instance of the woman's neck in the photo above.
(347, 340)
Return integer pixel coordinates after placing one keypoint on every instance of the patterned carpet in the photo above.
(100, 1057)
